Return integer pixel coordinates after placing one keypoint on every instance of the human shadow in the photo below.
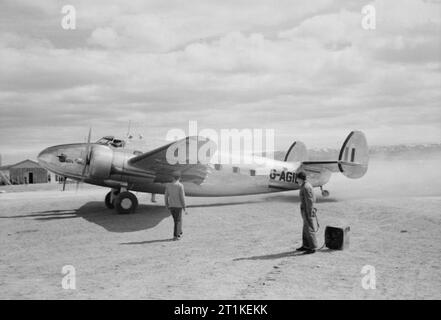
(272, 256)
(283, 255)
(146, 242)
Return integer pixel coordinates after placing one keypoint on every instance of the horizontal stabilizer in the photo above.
(352, 161)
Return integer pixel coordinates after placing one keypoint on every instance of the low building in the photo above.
(25, 172)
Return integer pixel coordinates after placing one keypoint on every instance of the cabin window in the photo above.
(252, 172)
(236, 169)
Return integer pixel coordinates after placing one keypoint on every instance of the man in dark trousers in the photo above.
(174, 198)
(307, 200)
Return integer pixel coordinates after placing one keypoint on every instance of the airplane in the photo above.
(110, 163)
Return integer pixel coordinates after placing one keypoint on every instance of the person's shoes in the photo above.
(301, 249)
(309, 251)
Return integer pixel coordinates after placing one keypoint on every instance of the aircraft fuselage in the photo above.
(110, 167)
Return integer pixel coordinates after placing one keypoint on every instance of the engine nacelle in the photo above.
(100, 162)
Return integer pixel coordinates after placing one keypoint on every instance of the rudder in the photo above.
(354, 155)
(296, 152)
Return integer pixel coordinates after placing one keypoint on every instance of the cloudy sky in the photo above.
(307, 69)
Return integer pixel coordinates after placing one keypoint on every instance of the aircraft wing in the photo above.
(183, 156)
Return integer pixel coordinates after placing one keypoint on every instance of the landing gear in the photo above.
(122, 200)
(325, 193)
(110, 198)
(126, 202)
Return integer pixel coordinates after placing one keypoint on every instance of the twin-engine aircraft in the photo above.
(109, 163)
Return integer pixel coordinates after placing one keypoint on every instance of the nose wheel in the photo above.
(325, 193)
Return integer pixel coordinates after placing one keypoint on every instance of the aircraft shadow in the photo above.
(145, 217)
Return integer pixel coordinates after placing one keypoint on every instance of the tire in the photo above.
(126, 202)
(109, 204)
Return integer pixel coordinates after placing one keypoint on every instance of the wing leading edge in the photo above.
(182, 156)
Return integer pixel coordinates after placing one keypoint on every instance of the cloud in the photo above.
(307, 69)
(105, 37)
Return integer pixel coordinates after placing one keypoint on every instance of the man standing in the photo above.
(174, 198)
(307, 200)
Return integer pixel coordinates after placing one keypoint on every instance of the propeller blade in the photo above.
(87, 158)
(88, 153)
(90, 134)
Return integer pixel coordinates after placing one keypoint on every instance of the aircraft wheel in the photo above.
(108, 202)
(126, 202)
(325, 193)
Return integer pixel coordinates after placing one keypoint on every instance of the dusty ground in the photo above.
(232, 248)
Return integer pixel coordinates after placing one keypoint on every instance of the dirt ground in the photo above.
(233, 248)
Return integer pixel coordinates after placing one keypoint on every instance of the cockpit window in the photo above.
(112, 142)
(117, 143)
(105, 140)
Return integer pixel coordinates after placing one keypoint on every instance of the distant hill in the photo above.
(401, 151)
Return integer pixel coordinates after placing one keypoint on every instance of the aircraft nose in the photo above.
(67, 159)
(46, 157)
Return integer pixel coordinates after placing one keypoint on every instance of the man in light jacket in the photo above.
(174, 198)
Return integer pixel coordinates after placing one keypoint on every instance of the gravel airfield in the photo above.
(233, 248)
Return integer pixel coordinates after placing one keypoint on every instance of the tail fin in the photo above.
(354, 155)
(297, 152)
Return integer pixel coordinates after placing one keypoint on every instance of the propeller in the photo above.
(87, 159)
